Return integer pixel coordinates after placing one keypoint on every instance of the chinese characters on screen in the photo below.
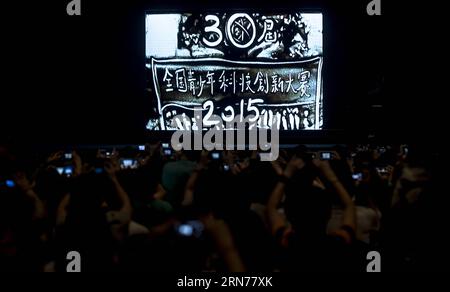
(230, 65)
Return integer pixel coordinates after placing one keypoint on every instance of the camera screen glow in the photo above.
(186, 230)
(10, 183)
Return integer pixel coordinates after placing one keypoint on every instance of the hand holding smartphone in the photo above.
(326, 155)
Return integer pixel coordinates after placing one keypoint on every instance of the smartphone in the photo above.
(99, 170)
(405, 150)
(215, 155)
(357, 176)
(165, 145)
(167, 152)
(192, 228)
(68, 156)
(9, 183)
(128, 164)
(65, 171)
(226, 167)
(68, 171)
(382, 170)
(141, 147)
(325, 155)
(186, 230)
(105, 153)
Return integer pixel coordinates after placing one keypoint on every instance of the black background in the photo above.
(81, 79)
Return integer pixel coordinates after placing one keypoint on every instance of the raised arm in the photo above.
(77, 164)
(26, 187)
(190, 185)
(275, 219)
(349, 216)
(189, 191)
(223, 239)
(61, 211)
(111, 168)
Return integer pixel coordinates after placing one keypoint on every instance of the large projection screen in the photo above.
(241, 63)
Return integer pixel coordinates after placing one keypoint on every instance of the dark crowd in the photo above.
(150, 208)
